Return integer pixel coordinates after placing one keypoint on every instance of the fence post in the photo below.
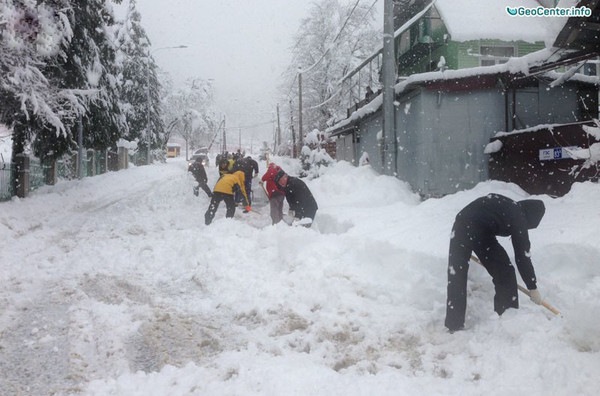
(22, 175)
(91, 163)
(123, 155)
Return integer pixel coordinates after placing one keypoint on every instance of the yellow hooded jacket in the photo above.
(227, 183)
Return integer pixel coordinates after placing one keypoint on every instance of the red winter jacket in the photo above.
(269, 177)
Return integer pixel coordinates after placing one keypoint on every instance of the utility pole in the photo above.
(278, 128)
(389, 80)
(292, 128)
(300, 108)
(80, 149)
(224, 136)
(148, 126)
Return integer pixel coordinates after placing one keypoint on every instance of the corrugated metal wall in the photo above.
(441, 136)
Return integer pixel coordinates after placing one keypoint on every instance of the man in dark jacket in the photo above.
(199, 174)
(298, 196)
(475, 230)
(250, 169)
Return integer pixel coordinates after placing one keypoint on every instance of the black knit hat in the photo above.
(534, 210)
(279, 175)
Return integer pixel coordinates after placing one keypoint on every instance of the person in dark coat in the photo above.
(250, 169)
(475, 230)
(199, 174)
(298, 196)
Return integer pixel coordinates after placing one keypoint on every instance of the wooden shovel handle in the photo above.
(527, 293)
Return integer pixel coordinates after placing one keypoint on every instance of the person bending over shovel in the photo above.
(475, 230)
(227, 185)
(300, 200)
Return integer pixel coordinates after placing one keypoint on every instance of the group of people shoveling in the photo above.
(235, 187)
(474, 231)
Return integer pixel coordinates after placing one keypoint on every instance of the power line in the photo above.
(330, 46)
(334, 40)
(250, 126)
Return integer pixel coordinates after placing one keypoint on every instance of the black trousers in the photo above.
(204, 187)
(466, 239)
(217, 197)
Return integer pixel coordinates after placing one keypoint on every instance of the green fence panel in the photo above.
(100, 162)
(37, 174)
(66, 168)
(5, 188)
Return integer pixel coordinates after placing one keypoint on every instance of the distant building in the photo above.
(173, 150)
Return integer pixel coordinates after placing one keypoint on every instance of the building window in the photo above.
(404, 45)
(494, 55)
(590, 68)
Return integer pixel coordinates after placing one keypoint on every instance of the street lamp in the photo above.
(148, 134)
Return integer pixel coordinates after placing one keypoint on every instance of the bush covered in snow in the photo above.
(313, 156)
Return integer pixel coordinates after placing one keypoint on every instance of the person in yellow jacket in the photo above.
(227, 185)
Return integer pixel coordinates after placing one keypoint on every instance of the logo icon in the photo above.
(511, 11)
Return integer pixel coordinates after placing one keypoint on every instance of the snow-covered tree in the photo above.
(314, 156)
(335, 38)
(87, 66)
(139, 85)
(190, 112)
(32, 37)
(91, 64)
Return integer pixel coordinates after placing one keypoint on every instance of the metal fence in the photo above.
(5, 188)
(95, 163)
(37, 174)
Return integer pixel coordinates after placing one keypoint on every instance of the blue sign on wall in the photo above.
(555, 153)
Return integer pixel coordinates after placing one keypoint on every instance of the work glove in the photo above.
(291, 213)
(535, 296)
(260, 182)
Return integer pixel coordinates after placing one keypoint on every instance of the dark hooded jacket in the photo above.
(198, 171)
(498, 215)
(246, 165)
(298, 196)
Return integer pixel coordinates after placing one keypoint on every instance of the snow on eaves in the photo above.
(513, 66)
(536, 128)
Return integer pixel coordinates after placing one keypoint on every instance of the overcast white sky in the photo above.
(243, 45)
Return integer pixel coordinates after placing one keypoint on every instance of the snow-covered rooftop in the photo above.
(514, 66)
(476, 20)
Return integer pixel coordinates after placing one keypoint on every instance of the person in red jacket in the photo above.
(275, 195)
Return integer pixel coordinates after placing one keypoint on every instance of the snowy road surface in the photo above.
(113, 285)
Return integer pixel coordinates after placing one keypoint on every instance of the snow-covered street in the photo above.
(113, 285)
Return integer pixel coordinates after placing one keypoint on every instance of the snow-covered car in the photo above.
(200, 153)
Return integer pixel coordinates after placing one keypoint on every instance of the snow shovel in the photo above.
(526, 292)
